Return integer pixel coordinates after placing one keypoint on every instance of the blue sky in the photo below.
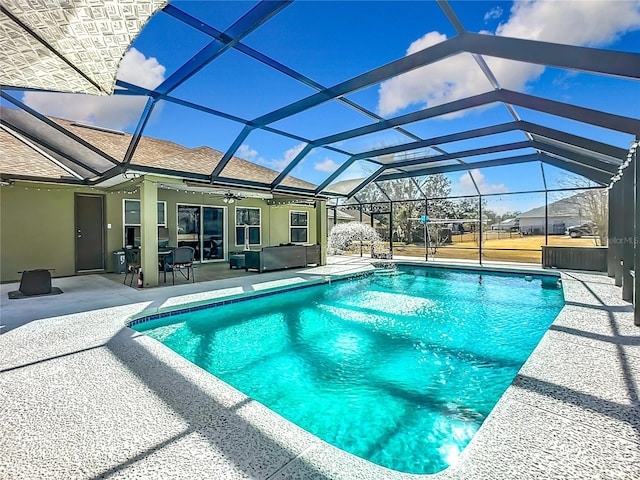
(333, 41)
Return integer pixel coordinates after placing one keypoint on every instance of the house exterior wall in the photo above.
(36, 230)
(37, 224)
(528, 224)
(280, 217)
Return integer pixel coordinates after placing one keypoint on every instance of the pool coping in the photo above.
(241, 297)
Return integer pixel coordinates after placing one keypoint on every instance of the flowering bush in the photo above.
(342, 236)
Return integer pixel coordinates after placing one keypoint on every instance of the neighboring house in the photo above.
(338, 216)
(47, 221)
(561, 214)
(348, 215)
(508, 225)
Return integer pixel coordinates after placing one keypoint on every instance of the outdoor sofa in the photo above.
(281, 257)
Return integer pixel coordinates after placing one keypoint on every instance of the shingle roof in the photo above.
(19, 159)
(566, 207)
(350, 215)
(151, 152)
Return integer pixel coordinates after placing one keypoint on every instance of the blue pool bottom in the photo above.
(400, 367)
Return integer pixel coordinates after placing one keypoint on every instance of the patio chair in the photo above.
(181, 259)
(132, 263)
(380, 250)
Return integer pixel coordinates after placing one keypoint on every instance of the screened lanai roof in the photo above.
(331, 97)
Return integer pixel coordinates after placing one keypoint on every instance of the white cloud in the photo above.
(465, 186)
(327, 165)
(578, 22)
(246, 152)
(139, 70)
(591, 23)
(455, 77)
(494, 13)
(114, 111)
(279, 163)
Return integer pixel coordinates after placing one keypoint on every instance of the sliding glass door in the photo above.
(202, 228)
(213, 244)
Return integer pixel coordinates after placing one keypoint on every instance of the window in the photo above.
(248, 220)
(131, 216)
(298, 227)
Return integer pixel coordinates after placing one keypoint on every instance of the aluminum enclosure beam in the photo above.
(477, 132)
(571, 57)
(611, 151)
(576, 157)
(587, 172)
(253, 19)
(465, 166)
(527, 127)
(366, 182)
(591, 174)
(615, 63)
(137, 90)
(303, 153)
(573, 112)
(57, 127)
(137, 135)
(585, 115)
(628, 226)
(463, 154)
(270, 62)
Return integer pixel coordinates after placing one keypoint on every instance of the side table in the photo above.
(236, 260)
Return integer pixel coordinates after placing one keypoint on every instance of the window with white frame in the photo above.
(298, 226)
(248, 226)
(131, 222)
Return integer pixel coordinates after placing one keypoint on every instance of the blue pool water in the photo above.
(400, 367)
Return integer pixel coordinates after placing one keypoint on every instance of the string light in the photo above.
(625, 164)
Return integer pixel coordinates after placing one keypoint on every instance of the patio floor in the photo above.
(82, 396)
(204, 272)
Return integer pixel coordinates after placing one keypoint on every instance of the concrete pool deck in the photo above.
(82, 396)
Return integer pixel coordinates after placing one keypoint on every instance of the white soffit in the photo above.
(215, 190)
(68, 45)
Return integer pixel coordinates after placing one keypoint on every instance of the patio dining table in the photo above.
(162, 260)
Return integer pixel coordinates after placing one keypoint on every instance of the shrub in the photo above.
(343, 235)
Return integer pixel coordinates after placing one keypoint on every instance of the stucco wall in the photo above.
(280, 218)
(37, 224)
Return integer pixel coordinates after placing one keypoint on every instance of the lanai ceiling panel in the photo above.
(68, 46)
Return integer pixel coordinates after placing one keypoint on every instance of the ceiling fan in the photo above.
(231, 197)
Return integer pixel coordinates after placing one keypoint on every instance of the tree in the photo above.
(409, 204)
(593, 204)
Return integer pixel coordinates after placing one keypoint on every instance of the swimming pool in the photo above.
(400, 367)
